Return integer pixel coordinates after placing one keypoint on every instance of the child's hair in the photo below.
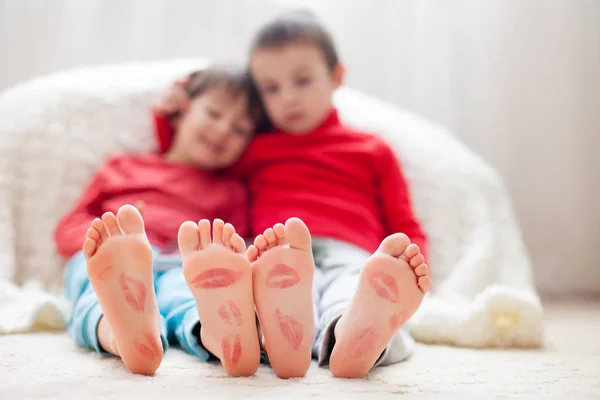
(234, 79)
(297, 26)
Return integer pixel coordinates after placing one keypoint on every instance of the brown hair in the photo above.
(235, 79)
(296, 26)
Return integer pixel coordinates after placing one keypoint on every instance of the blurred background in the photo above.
(517, 81)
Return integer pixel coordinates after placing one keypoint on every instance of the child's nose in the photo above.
(288, 96)
(222, 130)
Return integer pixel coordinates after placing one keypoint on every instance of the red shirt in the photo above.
(343, 183)
(172, 193)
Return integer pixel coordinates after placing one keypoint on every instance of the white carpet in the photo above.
(42, 366)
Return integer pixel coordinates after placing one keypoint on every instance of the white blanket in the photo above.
(56, 130)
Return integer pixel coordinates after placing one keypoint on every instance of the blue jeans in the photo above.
(179, 320)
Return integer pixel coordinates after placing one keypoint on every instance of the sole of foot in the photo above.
(391, 288)
(119, 265)
(283, 269)
(219, 275)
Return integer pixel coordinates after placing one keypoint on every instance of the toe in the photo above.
(417, 260)
(111, 223)
(228, 231)
(261, 243)
(99, 226)
(204, 228)
(217, 236)
(411, 251)
(93, 234)
(422, 270)
(130, 220)
(237, 244)
(89, 247)
(279, 230)
(394, 245)
(297, 234)
(270, 237)
(188, 238)
(425, 283)
(252, 253)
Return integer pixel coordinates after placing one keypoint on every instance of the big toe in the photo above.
(188, 238)
(297, 234)
(130, 220)
(394, 245)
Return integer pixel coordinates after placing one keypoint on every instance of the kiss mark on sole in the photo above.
(104, 272)
(291, 328)
(229, 310)
(148, 346)
(282, 277)
(385, 286)
(216, 278)
(134, 291)
(231, 346)
(363, 342)
(397, 320)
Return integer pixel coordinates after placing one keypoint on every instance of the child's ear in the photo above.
(338, 75)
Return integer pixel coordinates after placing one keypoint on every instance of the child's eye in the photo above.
(303, 81)
(238, 130)
(214, 114)
(271, 89)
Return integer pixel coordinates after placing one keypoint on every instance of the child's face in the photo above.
(296, 85)
(214, 130)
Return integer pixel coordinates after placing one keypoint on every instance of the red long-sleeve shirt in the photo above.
(343, 183)
(172, 193)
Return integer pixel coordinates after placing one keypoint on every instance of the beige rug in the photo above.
(49, 366)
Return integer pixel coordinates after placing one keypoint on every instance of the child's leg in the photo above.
(374, 298)
(119, 266)
(283, 269)
(219, 276)
(86, 315)
(178, 307)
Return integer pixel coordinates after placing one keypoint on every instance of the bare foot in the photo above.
(283, 268)
(119, 265)
(220, 278)
(391, 288)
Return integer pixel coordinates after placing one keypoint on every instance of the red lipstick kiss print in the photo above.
(134, 291)
(231, 346)
(397, 320)
(385, 286)
(291, 329)
(229, 310)
(216, 278)
(363, 342)
(104, 272)
(148, 346)
(282, 277)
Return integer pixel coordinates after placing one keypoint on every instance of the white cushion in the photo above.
(56, 130)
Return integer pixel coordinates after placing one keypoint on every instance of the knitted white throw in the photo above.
(55, 130)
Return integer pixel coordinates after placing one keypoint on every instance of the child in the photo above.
(347, 187)
(120, 305)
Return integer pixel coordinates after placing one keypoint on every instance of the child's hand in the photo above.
(175, 99)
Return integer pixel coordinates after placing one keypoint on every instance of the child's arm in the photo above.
(70, 232)
(171, 104)
(396, 199)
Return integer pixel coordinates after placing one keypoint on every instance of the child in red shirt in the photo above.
(346, 189)
(121, 304)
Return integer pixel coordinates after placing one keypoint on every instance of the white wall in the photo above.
(518, 81)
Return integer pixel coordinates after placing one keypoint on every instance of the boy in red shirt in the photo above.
(121, 304)
(346, 188)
